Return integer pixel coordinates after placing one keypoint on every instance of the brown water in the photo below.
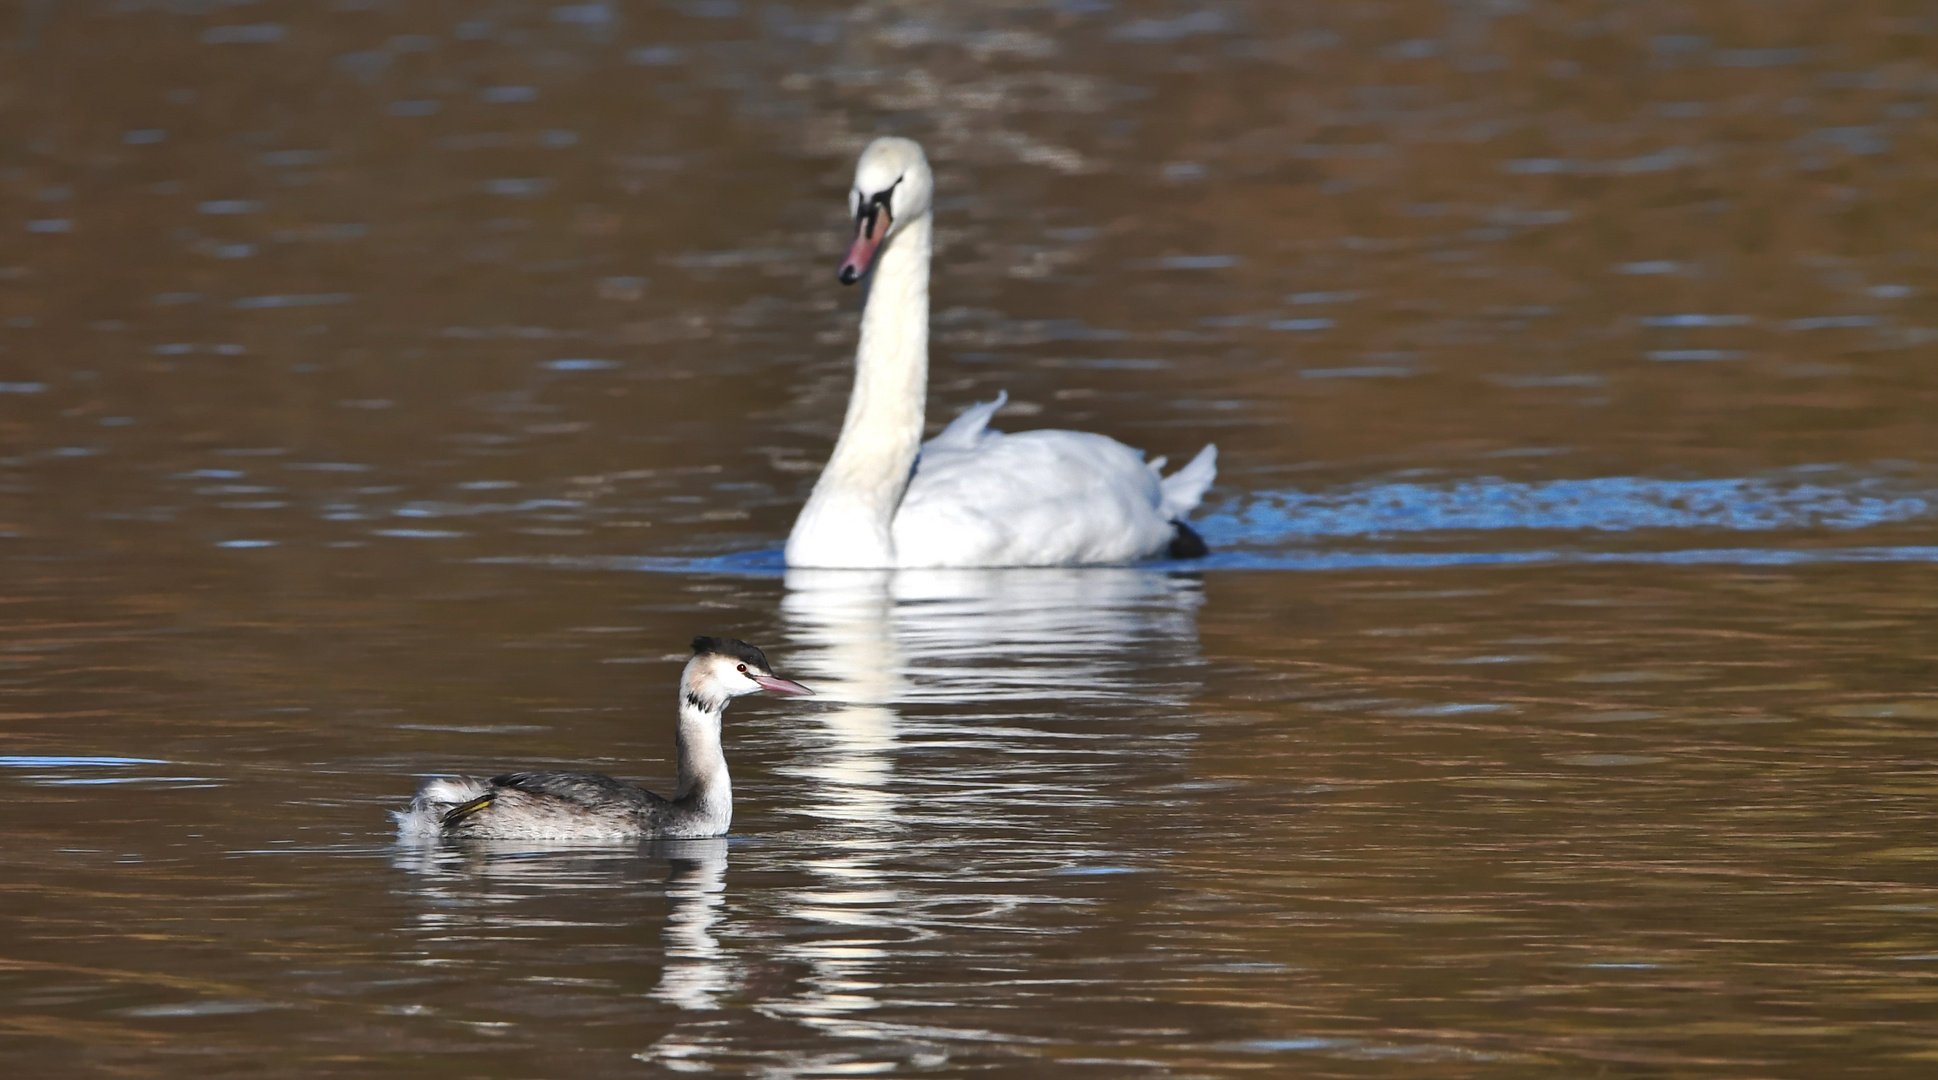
(388, 389)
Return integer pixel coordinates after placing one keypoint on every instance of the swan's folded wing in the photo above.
(1035, 498)
(967, 429)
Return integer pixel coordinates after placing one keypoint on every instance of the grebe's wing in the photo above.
(587, 791)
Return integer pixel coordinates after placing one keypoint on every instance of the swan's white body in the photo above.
(970, 496)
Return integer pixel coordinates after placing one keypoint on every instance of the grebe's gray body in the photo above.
(588, 806)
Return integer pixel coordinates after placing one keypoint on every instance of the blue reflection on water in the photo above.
(1361, 560)
(1605, 504)
(60, 771)
(768, 563)
(1287, 530)
(63, 761)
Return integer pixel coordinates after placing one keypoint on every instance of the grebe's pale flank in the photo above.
(588, 806)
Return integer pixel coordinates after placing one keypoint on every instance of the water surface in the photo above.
(388, 390)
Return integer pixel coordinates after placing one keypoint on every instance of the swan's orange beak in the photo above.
(871, 228)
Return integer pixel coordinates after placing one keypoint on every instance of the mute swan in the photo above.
(970, 496)
(587, 806)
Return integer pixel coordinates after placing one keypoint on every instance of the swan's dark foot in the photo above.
(1186, 543)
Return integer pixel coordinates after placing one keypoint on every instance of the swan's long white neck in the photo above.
(846, 522)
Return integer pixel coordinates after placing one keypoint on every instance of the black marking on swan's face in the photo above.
(868, 206)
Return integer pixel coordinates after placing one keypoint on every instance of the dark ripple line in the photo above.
(769, 564)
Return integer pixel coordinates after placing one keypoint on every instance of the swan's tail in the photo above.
(1184, 489)
(423, 819)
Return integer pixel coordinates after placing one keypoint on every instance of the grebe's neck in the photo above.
(703, 778)
(846, 522)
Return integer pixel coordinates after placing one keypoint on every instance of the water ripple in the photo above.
(1606, 504)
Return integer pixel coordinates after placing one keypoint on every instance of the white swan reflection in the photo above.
(983, 635)
(961, 651)
(870, 640)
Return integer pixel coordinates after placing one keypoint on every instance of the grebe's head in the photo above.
(892, 185)
(726, 668)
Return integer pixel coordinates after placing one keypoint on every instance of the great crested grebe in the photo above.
(588, 806)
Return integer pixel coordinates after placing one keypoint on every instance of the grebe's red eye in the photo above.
(743, 669)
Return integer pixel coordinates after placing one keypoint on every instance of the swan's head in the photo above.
(892, 185)
(727, 668)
